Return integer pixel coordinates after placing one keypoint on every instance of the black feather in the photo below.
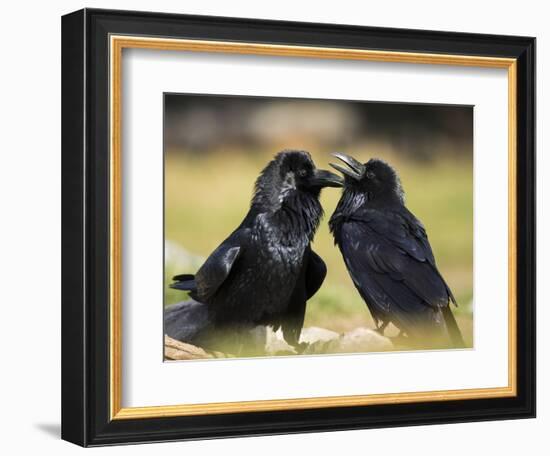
(388, 255)
(185, 320)
(185, 282)
(265, 271)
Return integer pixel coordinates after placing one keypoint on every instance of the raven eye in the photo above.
(302, 173)
(370, 175)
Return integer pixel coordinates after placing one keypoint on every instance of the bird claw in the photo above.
(380, 329)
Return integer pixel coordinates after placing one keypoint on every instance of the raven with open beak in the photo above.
(387, 253)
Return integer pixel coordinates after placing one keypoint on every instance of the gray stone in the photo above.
(360, 340)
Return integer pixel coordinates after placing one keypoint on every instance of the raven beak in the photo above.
(324, 178)
(354, 169)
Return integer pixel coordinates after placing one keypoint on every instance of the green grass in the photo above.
(208, 195)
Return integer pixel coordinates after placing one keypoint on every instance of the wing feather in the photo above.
(311, 278)
(392, 265)
(215, 270)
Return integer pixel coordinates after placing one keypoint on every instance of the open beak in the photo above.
(353, 169)
(324, 178)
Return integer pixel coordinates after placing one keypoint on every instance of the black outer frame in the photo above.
(85, 227)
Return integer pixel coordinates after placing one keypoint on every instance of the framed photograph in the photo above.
(278, 227)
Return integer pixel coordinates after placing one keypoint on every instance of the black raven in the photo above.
(389, 258)
(265, 271)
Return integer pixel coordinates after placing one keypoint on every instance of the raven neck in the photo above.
(293, 223)
(353, 201)
(350, 202)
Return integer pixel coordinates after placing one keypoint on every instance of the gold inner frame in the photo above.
(117, 44)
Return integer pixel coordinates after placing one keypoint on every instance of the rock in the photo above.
(322, 341)
(319, 341)
(275, 344)
(176, 350)
(360, 340)
(314, 334)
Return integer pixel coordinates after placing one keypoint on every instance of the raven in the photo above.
(388, 256)
(265, 271)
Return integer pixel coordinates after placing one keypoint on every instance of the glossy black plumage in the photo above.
(265, 271)
(389, 258)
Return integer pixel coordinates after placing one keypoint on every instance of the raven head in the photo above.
(290, 177)
(375, 179)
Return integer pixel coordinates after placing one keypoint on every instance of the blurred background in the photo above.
(215, 147)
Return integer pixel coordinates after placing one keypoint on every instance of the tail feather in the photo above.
(182, 277)
(452, 328)
(186, 320)
(185, 282)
